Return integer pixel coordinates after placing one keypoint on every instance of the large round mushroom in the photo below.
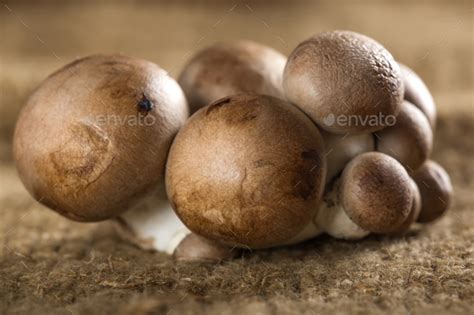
(231, 68)
(247, 170)
(346, 82)
(92, 140)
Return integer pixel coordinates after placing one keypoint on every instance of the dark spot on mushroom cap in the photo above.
(144, 105)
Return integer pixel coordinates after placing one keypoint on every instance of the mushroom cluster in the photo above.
(334, 139)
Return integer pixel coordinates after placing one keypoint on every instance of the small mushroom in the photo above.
(373, 194)
(436, 191)
(247, 171)
(232, 68)
(340, 149)
(197, 248)
(346, 82)
(418, 94)
(92, 141)
(409, 140)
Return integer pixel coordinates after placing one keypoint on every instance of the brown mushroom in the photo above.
(418, 94)
(197, 248)
(232, 68)
(346, 82)
(376, 192)
(247, 171)
(92, 140)
(409, 140)
(436, 191)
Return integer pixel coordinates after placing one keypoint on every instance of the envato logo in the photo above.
(127, 120)
(360, 120)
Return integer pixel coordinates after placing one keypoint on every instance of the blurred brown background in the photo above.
(53, 266)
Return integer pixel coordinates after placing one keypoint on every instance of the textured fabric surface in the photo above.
(49, 265)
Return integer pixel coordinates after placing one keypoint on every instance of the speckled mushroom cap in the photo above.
(343, 81)
(247, 170)
(93, 138)
(436, 191)
(376, 192)
(418, 94)
(409, 140)
(232, 68)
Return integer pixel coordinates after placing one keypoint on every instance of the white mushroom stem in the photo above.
(333, 220)
(153, 225)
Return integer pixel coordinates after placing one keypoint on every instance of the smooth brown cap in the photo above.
(197, 248)
(93, 138)
(417, 93)
(232, 68)
(346, 82)
(409, 140)
(247, 170)
(436, 191)
(376, 192)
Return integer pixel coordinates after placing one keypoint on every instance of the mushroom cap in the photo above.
(418, 94)
(409, 140)
(196, 248)
(436, 191)
(93, 138)
(376, 192)
(247, 170)
(340, 149)
(414, 211)
(346, 82)
(232, 68)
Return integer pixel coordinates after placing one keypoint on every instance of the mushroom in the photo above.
(346, 82)
(409, 139)
(247, 171)
(92, 140)
(436, 191)
(197, 248)
(340, 149)
(418, 94)
(373, 194)
(232, 68)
